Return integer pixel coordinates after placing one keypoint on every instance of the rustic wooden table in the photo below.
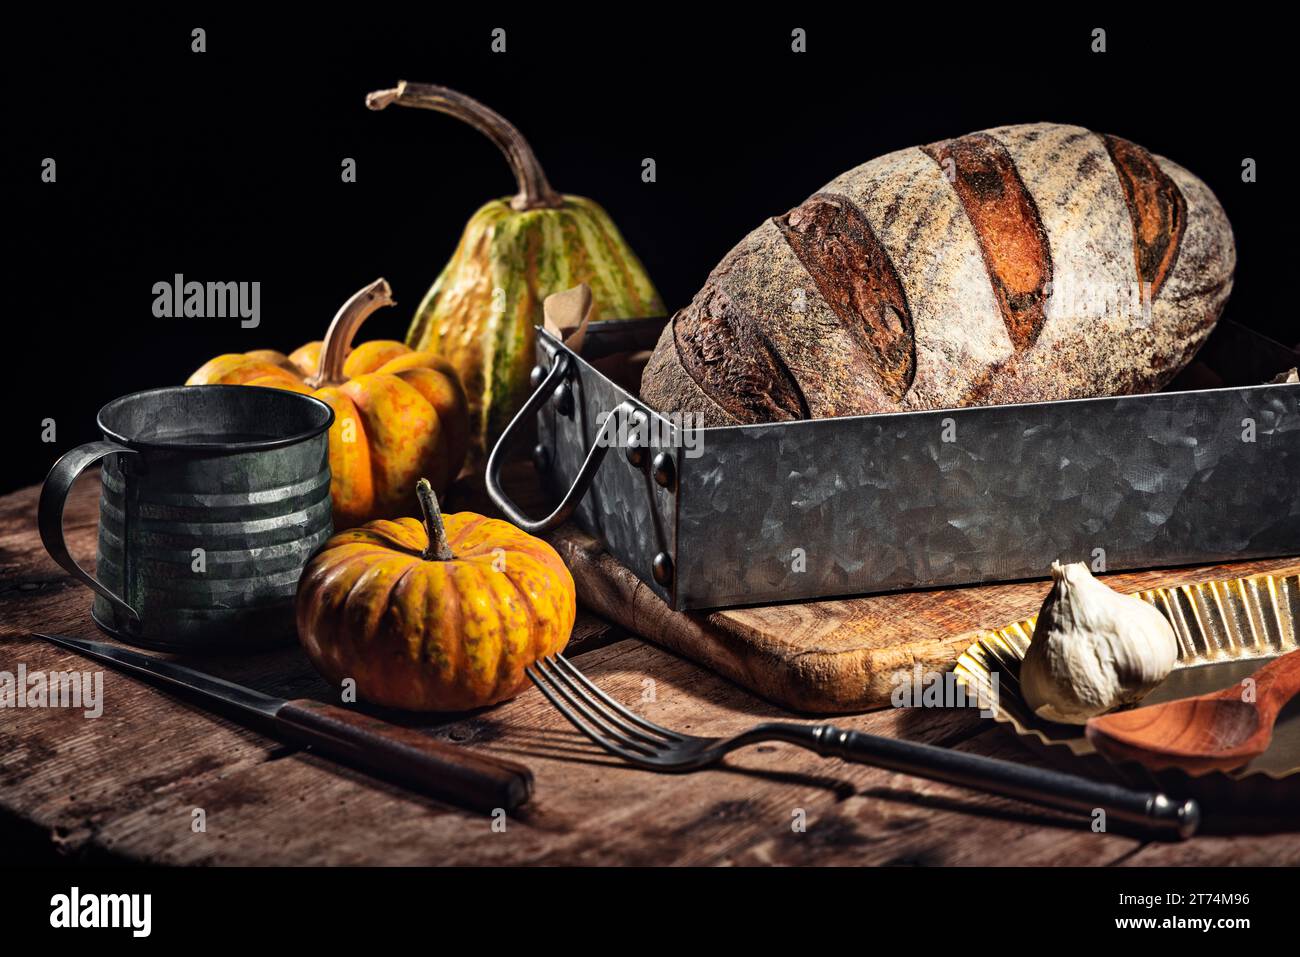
(125, 786)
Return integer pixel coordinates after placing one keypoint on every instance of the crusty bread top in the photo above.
(971, 271)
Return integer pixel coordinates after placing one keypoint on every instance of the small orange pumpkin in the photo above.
(398, 414)
(439, 616)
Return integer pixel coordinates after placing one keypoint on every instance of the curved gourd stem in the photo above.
(338, 339)
(439, 549)
(534, 191)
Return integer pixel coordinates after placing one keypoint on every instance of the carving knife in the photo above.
(406, 755)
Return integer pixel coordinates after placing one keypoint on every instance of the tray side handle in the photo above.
(595, 456)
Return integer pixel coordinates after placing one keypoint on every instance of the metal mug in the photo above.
(212, 498)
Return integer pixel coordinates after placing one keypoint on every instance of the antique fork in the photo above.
(648, 745)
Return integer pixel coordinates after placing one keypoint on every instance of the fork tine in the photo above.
(543, 685)
(597, 728)
(603, 705)
(586, 685)
(593, 711)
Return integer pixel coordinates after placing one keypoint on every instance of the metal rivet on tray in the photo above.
(665, 472)
(636, 452)
(663, 569)
(564, 399)
(541, 458)
(536, 376)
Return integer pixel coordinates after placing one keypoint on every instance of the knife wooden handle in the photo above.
(409, 756)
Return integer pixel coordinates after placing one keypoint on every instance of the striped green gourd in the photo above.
(481, 312)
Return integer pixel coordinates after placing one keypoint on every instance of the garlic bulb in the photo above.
(1093, 649)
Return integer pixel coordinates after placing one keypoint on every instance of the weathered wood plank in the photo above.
(126, 784)
(1211, 850)
(904, 821)
(70, 774)
(591, 809)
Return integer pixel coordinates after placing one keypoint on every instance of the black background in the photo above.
(225, 165)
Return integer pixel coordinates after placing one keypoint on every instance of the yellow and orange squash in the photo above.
(443, 615)
(399, 414)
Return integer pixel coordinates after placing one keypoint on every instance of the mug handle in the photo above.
(49, 514)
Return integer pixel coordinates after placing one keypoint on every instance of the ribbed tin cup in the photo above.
(212, 500)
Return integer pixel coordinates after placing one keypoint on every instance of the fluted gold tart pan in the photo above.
(1226, 629)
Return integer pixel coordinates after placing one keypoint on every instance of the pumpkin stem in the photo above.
(439, 549)
(338, 339)
(534, 191)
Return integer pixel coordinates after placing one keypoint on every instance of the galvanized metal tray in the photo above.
(758, 514)
(1226, 630)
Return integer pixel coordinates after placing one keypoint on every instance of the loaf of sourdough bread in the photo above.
(1019, 264)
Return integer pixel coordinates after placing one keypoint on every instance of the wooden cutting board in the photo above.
(841, 655)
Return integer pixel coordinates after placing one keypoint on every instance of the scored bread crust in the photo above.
(967, 272)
